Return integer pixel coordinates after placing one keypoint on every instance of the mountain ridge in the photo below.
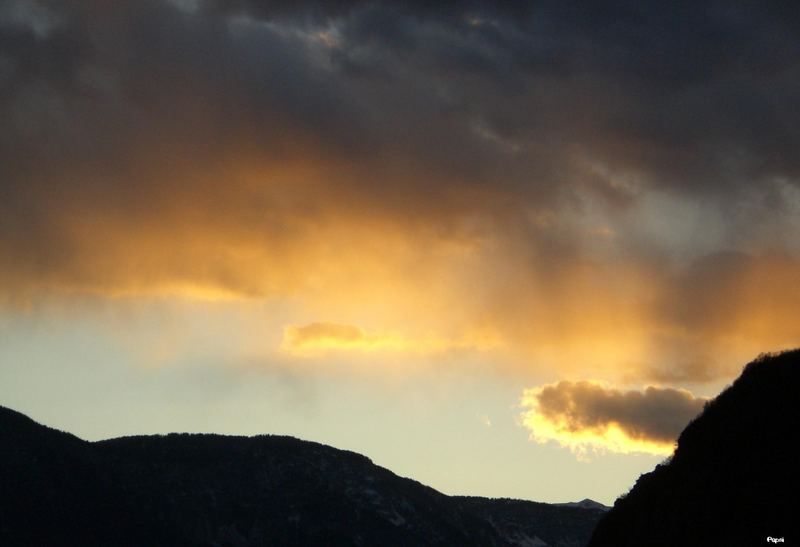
(219, 490)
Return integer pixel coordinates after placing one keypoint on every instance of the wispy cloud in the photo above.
(321, 337)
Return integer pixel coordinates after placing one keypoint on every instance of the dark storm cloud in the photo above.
(319, 11)
(686, 95)
(514, 94)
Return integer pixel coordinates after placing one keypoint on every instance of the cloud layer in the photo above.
(588, 416)
(530, 171)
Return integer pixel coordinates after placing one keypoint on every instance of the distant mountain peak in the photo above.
(585, 503)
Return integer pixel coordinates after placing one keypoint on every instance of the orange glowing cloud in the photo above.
(322, 337)
(590, 417)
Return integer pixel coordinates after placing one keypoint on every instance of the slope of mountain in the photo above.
(733, 479)
(213, 490)
(531, 524)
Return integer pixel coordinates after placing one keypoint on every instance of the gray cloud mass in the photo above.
(154, 143)
(655, 414)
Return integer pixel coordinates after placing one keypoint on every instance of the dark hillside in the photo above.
(213, 490)
(733, 479)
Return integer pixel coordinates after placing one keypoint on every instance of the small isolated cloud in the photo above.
(320, 337)
(590, 416)
(323, 333)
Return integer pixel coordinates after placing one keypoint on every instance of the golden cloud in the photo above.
(321, 337)
(589, 416)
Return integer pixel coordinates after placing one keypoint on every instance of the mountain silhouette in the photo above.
(733, 478)
(213, 490)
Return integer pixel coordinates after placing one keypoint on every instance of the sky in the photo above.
(505, 248)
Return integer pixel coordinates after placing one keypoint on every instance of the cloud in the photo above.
(589, 416)
(488, 112)
(450, 168)
(320, 337)
(324, 335)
